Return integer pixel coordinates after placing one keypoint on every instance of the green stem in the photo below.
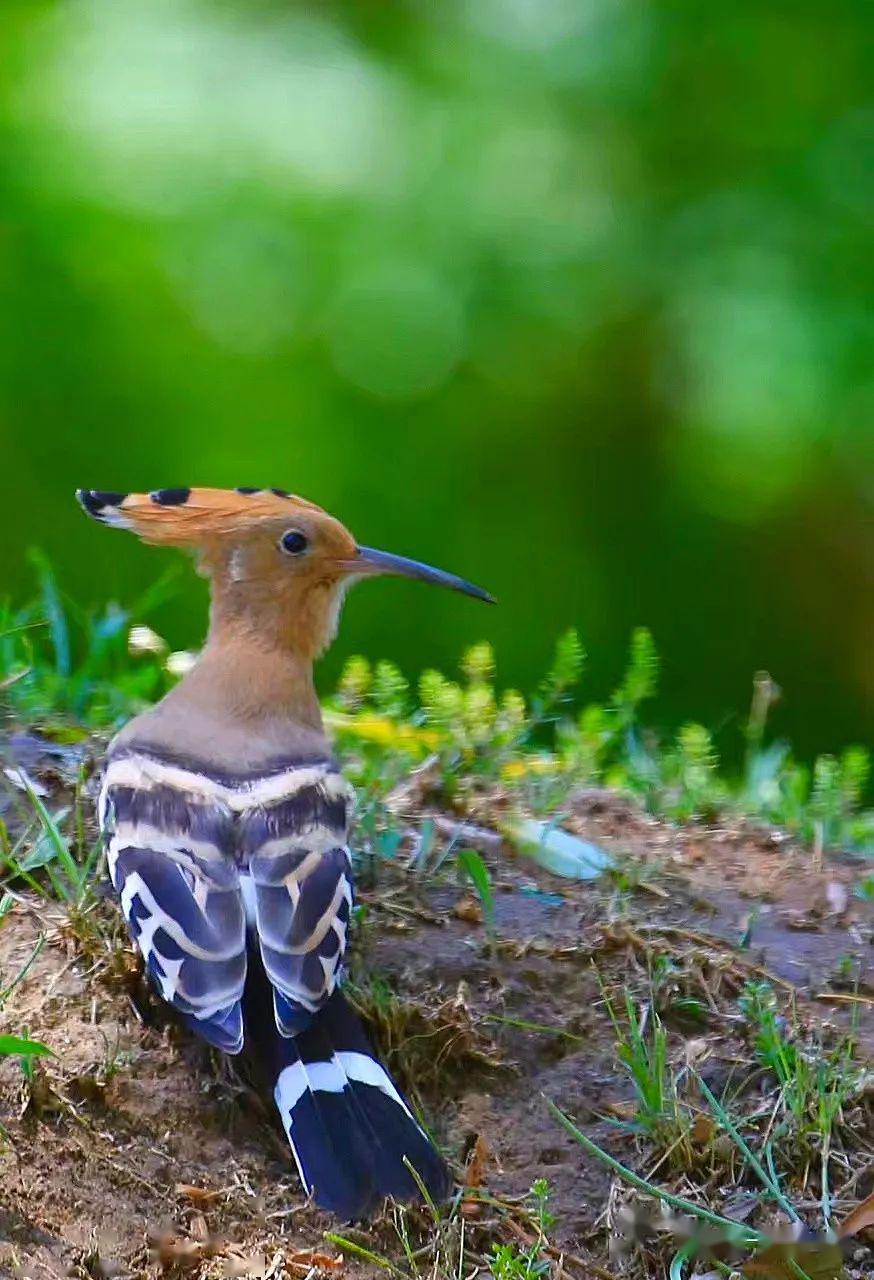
(755, 1164)
(745, 1235)
(360, 1252)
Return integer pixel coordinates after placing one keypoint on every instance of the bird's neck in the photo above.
(255, 657)
(244, 706)
(250, 699)
(251, 672)
(246, 679)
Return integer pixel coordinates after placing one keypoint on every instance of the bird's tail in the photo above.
(349, 1128)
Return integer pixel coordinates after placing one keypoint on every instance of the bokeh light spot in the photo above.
(396, 331)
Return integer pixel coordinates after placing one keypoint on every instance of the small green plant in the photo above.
(603, 743)
(865, 889)
(390, 691)
(472, 737)
(815, 1081)
(640, 680)
(471, 723)
(64, 667)
(44, 856)
(671, 995)
(460, 722)
(15, 1045)
(508, 1261)
(562, 677)
(642, 1048)
(836, 791)
(691, 787)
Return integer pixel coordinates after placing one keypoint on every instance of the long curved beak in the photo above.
(370, 561)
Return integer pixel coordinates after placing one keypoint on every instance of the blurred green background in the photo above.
(568, 296)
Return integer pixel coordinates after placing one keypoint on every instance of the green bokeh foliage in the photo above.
(565, 295)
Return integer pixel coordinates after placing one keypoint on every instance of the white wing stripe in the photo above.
(135, 886)
(341, 893)
(142, 835)
(144, 772)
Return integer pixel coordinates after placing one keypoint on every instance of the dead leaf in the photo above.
(741, 1207)
(173, 1251)
(818, 1259)
(703, 1129)
(461, 1000)
(22, 780)
(859, 1219)
(622, 1110)
(468, 908)
(801, 921)
(308, 1258)
(198, 1228)
(197, 1195)
(476, 1163)
(474, 1175)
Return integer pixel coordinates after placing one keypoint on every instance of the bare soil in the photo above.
(134, 1152)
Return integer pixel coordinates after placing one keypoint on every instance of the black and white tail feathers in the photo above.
(347, 1124)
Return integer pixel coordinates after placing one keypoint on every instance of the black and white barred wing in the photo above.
(301, 891)
(169, 851)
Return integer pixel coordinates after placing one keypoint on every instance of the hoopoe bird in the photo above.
(225, 821)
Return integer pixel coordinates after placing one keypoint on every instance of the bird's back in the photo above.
(200, 857)
(237, 889)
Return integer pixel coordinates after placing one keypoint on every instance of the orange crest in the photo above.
(192, 517)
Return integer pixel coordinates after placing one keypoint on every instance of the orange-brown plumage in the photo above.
(262, 594)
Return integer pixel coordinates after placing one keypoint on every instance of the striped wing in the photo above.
(170, 855)
(301, 891)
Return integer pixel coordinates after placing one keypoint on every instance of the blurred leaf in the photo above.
(558, 851)
(16, 1046)
(54, 611)
(45, 847)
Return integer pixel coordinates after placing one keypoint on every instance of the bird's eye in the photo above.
(294, 542)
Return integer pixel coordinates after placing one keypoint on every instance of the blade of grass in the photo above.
(688, 1251)
(59, 844)
(20, 872)
(755, 1164)
(533, 1026)
(423, 1190)
(367, 1254)
(24, 970)
(735, 1231)
(477, 872)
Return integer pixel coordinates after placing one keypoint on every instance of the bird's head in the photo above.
(278, 563)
